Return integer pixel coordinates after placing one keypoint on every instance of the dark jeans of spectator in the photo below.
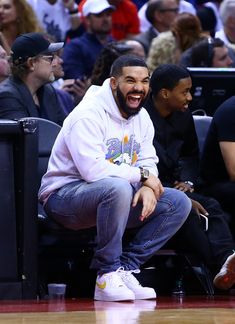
(213, 245)
(224, 193)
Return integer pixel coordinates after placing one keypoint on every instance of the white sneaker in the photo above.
(133, 284)
(110, 287)
(225, 279)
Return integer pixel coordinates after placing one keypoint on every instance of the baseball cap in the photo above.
(95, 7)
(30, 45)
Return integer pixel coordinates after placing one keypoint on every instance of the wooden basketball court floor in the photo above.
(186, 309)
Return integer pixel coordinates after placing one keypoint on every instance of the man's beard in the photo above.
(123, 105)
(51, 77)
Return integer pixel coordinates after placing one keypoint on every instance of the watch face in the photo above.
(146, 173)
(189, 183)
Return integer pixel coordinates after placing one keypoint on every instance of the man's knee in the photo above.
(119, 187)
(179, 199)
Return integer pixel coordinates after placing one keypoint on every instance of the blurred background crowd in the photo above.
(95, 32)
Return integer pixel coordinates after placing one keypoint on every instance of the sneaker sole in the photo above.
(226, 278)
(224, 281)
(152, 296)
(113, 298)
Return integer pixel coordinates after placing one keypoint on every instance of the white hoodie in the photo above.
(96, 142)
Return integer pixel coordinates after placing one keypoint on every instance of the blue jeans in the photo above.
(106, 204)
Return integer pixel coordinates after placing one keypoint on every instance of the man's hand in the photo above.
(182, 186)
(155, 184)
(77, 88)
(148, 199)
(199, 208)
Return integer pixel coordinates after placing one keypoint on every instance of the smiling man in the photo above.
(176, 144)
(103, 173)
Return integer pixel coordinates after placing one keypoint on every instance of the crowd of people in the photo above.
(113, 74)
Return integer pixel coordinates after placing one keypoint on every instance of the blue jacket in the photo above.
(80, 55)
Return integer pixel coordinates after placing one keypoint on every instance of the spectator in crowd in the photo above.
(184, 6)
(103, 173)
(68, 91)
(16, 18)
(27, 92)
(125, 20)
(176, 144)
(207, 53)
(81, 52)
(214, 5)
(207, 19)
(104, 61)
(163, 50)
(160, 13)
(136, 48)
(218, 158)
(227, 14)
(57, 16)
(185, 31)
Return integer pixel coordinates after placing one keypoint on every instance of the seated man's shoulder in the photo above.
(8, 86)
(227, 107)
(80, 40)
(78, 46)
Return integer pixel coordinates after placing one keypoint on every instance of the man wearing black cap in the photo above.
(27, 93)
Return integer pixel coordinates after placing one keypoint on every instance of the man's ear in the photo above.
(31, 64)
(113, 83)
(164, 93)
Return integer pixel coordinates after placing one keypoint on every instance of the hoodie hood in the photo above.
(106, 100)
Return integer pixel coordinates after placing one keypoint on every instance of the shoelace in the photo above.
(129, 275)
(114, 280)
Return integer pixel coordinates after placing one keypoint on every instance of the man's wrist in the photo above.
(190, 183)
(144, 174)
(73, 9)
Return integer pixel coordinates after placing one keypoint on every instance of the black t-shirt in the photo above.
(222, 129)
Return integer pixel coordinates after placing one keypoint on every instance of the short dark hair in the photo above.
(167, 76)
(202, 53)
(154, 5)
(104, 61)
(208, 19)
(124, 61)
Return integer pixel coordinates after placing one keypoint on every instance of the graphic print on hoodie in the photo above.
(125, 151)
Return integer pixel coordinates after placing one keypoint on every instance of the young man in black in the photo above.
(176, 144)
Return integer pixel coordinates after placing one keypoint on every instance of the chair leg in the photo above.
(203, 274)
